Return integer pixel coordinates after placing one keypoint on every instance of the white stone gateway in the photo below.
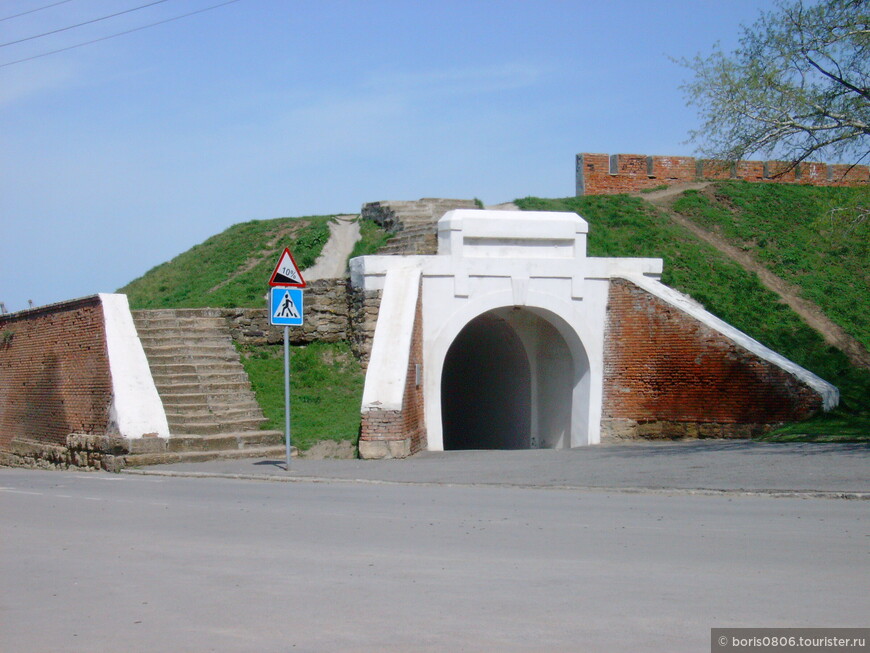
(511, 326)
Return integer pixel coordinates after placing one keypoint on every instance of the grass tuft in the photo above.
(372, 238)
(326, 384)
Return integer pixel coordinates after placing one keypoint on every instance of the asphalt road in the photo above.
(100, 562)
(716, 465)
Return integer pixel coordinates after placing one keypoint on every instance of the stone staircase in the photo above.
(415, 224)
(420, 239)
(207, 396)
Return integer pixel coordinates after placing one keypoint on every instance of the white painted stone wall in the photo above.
(136, 409)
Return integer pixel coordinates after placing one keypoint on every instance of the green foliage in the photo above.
(796, 85)
(372, 238)
(797, 232)
(6, 337)
(625, 226)
(310, 242)
(836, 426)
(326, 384)
(230, 269)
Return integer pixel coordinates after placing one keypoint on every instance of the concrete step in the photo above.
(226, 441)
(193, 372)
(181, 384)
(422, 240)
(169, 338)
(214, 388)
(215, 427)
(150, 326)
(190, 399)
(180, 415)
(216, 413)
(143, 459)
(150, 321)
(184, 352)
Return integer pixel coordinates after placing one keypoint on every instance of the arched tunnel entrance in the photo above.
(486, 388)
(507, 383)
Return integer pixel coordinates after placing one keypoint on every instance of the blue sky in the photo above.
(119, 155)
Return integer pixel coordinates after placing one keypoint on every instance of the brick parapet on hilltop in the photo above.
(603, 174)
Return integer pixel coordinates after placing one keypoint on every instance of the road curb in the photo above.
(273, 478)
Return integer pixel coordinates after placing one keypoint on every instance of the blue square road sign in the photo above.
(285, 306)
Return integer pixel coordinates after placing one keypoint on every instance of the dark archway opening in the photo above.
(486, 388)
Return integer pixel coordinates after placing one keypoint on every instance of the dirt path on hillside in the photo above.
(272, 249)
(332, 262)
(788, 292)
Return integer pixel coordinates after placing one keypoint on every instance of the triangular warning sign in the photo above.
(287, 272)
(286, 308)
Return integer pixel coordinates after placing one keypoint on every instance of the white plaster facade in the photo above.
(528, 270)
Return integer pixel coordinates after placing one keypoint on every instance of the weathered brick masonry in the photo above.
(603, 174)
(403, 431)
(56, 385)
(54, 373)
(667, 375)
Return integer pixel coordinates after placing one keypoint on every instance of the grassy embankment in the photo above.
(231, 269)
(626, 226)
(784, 223)
(815, 239)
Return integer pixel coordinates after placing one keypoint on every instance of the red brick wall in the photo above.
(635, 172)
(409, 422)
(662, 366)
(54, 373)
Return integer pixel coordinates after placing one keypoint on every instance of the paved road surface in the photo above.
(719, 465)
(100, 562)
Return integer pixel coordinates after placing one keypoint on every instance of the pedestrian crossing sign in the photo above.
(285, 307)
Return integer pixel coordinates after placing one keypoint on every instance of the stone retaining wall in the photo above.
(78, 451)
(326, 309)
(334, 311)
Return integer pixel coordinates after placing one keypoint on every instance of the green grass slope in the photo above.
(326, 384)
(231, 269)
(620, 225)
(811, 237)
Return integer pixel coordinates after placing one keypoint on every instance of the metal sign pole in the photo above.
(287, 392)
(285, 309)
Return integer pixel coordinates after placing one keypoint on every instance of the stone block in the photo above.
(380, 449)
